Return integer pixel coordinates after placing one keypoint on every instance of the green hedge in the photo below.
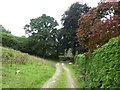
(102, 68)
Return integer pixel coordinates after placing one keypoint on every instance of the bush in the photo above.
(80, 63)
(17, 43)
(101, 69)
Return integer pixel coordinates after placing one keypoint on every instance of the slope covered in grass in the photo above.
(102, 67)
(20, 70)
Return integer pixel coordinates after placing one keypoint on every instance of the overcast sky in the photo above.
(14, 14)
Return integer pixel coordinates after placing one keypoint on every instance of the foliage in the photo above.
(63, 39)
(74, 74)
(101, 69)
(33, 73)
(71, 15)
(67, 35)
(99, 25)
(2, 29)
(43, 34)
(80, 59)
(80, 69)
(17, 43)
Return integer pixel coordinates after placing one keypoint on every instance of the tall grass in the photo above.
(20, 70)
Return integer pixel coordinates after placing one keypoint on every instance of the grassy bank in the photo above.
(20, 70)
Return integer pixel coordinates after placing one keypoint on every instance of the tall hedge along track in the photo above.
(102, 68)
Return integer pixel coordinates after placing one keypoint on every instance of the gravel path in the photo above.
(53, 79)
(70, 82)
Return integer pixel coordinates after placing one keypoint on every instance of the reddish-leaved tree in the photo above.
(99, 25)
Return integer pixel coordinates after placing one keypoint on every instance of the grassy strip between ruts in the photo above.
(61, 81)
(32, 74)
(73, 74)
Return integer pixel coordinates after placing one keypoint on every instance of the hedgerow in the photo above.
(101, 68)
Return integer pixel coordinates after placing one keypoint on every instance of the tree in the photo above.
(2, 29)
(99, 25)
(63, 41)
(17, 43)
(42, 36)
(70, 24)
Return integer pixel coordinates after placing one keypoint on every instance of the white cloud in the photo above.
(14, 14)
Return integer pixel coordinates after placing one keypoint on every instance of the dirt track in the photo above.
(54, 77)
(70, 82)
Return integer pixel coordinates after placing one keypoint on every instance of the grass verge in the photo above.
(73, 74)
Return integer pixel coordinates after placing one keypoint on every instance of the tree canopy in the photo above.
(42, 36)
(70, 25)
(99, 25)
(2, 29)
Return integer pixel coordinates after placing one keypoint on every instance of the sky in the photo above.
(15, 14)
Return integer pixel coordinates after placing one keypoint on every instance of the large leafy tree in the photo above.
(63, 41)
(70, 24)
(99, 25)
(42, 36)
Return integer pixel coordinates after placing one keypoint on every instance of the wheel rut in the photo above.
(51, 81)
(54, 77)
